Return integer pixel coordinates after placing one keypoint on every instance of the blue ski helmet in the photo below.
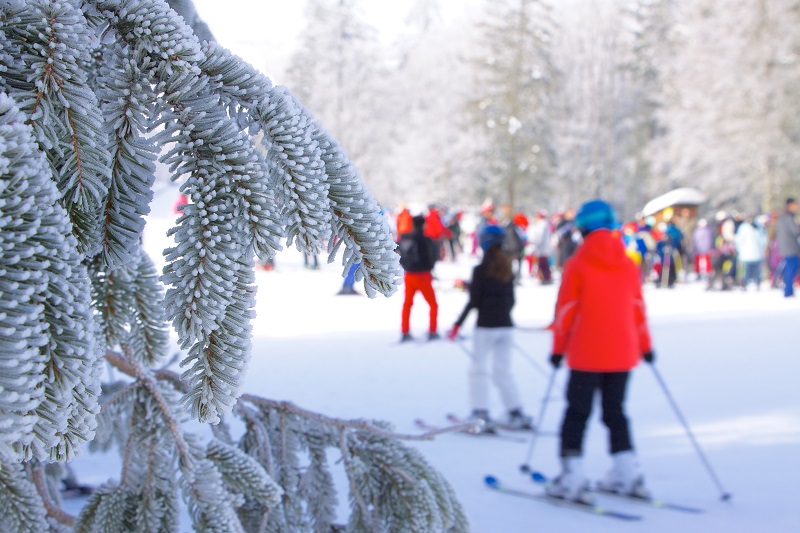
(596, 214)
(490, 235)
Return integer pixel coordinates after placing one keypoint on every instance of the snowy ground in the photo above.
(730, 360)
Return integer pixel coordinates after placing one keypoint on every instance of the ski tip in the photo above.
(727, 497)
(538, 477)
(491, 481)
(525, 469)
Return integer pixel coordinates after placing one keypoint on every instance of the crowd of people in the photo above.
(725, 251)
(600, 327)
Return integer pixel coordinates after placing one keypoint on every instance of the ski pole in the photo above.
(460, 343)
(725, 496)
(525, 468)
(531, 360)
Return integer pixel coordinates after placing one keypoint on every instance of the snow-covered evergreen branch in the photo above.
(346, 213)
(127, 99)
(22, 506)
(90, 93)
(49, 382)
(290, 444)
(49, 81)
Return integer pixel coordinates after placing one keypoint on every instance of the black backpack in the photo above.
(513, 243)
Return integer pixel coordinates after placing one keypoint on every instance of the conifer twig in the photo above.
(288, 407)
(361, 425)
(54, 511)
(128, 366)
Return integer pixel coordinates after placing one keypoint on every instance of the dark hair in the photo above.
(498, 264)
(790, 201)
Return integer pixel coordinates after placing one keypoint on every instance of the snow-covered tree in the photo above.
(607, 53)
(432, 88)
(512, 101)
(732, 95)
(340, 71)
(92, 92)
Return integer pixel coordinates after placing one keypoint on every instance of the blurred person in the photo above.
(644, 234)
(486, 218)
(600, 329)
(686, 223)
(436, 230)
(774, 258)
(404, 222)
(669, 248)
(635, 246)
(567, 237)
(751, 245)
(723, 255)
(180, 201)
(418, 256)
(702, 244)
(540, 246)
(348, 285)
(514, 242)
(491, 292)
(310, 261)
(454, 240)
(788, 236)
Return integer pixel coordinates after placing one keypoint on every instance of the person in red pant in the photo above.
(600, 327)
(418, 255)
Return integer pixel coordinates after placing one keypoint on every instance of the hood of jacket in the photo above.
(604, 249)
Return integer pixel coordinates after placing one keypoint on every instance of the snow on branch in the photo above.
(50, 83)
(323, 197)
(49, 391)
(289, 444)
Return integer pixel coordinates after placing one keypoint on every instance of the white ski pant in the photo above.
(494, 344)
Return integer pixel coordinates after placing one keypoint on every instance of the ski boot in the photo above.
(625, 477)
(571, 484)
(518, 421)
(481, 416)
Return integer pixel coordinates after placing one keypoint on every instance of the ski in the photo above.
(495, 484)
(651, 502)
(455, 419)
(539, 479)
(416, 341)
(422, 424)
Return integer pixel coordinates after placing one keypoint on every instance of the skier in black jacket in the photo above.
(418, 254)
(491, 292)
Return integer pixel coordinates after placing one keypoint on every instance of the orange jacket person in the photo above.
(404, 222)
(600, 328)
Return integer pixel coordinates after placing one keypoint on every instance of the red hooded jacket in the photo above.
(600, 322)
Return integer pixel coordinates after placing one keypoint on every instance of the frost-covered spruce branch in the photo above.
(160, 458)
(49, 81)
(346, 211)
(358, 425)
(286, 407)
(49, 380)
(90, 93)
(375, 461)
(228, 218)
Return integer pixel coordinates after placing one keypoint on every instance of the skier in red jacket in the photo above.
(600, 327)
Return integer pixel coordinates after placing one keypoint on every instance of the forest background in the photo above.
(542, 104)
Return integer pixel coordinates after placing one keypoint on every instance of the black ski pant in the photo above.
(580, 396)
